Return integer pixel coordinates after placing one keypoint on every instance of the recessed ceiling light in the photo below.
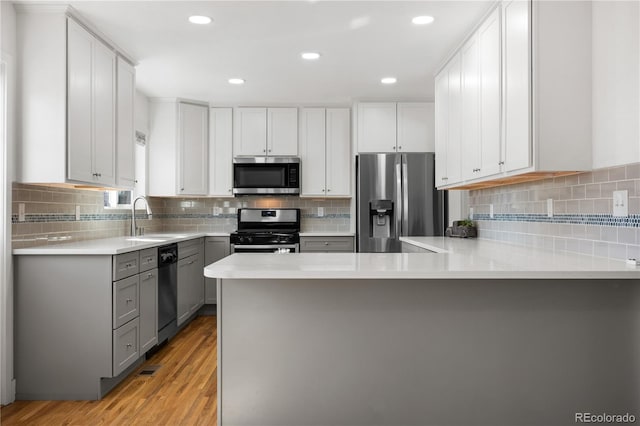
(422, 20)
(310, 56)
(200, 20)
(236, 81)
(389, 80)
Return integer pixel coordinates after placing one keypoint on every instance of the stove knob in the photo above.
(249, 240)
(240, 239)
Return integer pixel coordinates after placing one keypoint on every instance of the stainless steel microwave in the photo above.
(266, 175)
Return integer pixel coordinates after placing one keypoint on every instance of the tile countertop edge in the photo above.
(113, 246)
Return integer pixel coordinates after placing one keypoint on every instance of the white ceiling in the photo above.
(261, 41)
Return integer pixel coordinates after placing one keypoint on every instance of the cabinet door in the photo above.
(413, 127)
(516, 91)
(184, 288)
(193, 141)
(441, 125)
(104, 113)
(470, 137)
(79, 104)
(338, 152)
(490, 94)
(221, 152)
(250, 131)
(377, 127)
(197, 282)
(125, 153)
(215, 248)
(312, 151)
(148, 310)
(282, 131)
(454, 122)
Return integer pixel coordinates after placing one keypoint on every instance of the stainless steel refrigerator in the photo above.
(396, 196)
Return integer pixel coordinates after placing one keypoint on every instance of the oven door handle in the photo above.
(265, 246)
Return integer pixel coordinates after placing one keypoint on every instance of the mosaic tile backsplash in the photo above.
(50, 215)
(582, 220)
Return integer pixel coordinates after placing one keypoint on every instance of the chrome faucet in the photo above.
(134, 228)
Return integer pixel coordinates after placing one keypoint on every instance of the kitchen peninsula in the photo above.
(477, 332)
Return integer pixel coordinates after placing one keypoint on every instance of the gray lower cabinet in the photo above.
(148, 309)
(82, 322)
(340, 244)
(190, 278)
(215, 248)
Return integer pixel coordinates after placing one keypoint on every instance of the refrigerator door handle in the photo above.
(405, 196)
(398, 206)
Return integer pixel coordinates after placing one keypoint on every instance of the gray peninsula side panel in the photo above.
(427, 352)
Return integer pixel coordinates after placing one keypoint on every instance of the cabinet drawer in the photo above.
(125, 346)
(125, 265)
(148, 259)
(189, 248)
(325, 244)
(126, 303)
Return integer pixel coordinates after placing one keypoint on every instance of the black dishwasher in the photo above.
(167, 291)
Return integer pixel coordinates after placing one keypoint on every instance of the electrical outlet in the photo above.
(621, 203)
(470, 212)
(21, 213)
(549, 207)
(320, 211)
(491, 211)
(77, 212)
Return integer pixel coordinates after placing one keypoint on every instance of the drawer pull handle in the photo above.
(149, 259)
(190, 263)
(129, 300)
(149, 275)
(326, 243)
(129, 345)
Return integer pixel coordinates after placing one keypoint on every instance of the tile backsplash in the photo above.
(582, 220)
(50, 215)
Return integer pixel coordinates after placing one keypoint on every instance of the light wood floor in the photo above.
(181, 392)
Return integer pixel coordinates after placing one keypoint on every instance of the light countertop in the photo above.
(327, 234)
(116, 245)
(454, 259)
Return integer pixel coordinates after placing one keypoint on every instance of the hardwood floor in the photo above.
(183, 391)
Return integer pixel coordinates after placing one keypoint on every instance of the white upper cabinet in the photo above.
(325, 152)
(377, 127)
(454, 124)
(125, 146)
(441, 126)
(69, 111)
(193, 143)
(265, 131)
(220, 152)
(91, 107)
(415, 127)
(282, 131)
(178, 147)
(525, 96)
(616, 83)
(517, 102)
(395, 127)
(250, 131)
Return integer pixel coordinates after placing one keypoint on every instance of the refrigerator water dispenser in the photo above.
(380, 218)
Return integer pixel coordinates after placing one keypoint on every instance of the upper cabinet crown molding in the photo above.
(544, 96)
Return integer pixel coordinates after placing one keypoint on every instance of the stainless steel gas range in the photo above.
(267, 231)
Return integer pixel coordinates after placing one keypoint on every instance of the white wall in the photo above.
(8, 53)
(616, 83)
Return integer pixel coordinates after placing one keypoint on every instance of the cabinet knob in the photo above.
(394, 148)
(129, 300)
(129, 345)
(269, 150)
(149, 259)
(399, 147)
(149, 275)
(264, 150)
(181, 189)
(326, 243)
(500, 163)
(229, 190)
(328, 190)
